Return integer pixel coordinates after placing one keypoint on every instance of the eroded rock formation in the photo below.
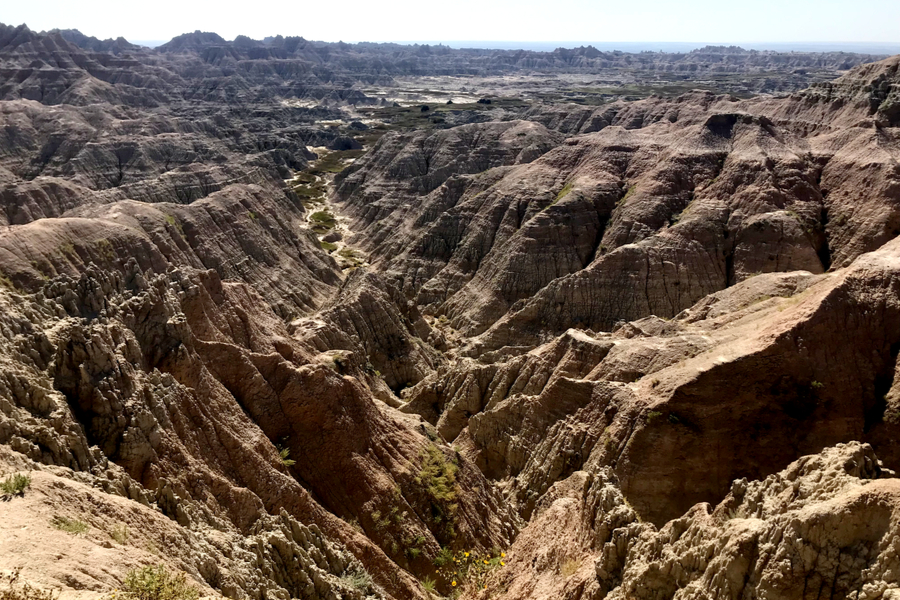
(646, 348)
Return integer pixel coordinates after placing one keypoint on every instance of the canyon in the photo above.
(319, 321)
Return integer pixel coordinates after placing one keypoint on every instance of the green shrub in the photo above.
(15, 485)
(444, 557)
(437, 475)
(284, 454)
(73, 526)
(157, 583)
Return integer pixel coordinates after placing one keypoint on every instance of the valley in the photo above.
(321, 321)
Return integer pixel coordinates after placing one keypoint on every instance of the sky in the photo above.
(459, 21)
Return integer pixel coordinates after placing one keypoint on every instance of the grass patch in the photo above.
(569, 567)
(428, 585)
(353, 258)
(627, 195)
(327, 246)
(358, 580)
(563, 192)
(15, 485)
(333, 162)
(315, 191)
(171, 220)
(119, 533)
(157, 583)
(305, 177)
(284, 454)
(7, 283)
(73, 526)
(322, 221)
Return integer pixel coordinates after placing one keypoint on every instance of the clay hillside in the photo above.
(284, 319)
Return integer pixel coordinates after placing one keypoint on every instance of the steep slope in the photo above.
(824, 526)
(752, 377)
(187, 383)
(669, 201)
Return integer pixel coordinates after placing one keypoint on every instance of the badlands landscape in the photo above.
(290, 319)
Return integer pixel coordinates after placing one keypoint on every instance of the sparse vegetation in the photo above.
(437, 475)
(119, 533)
(739, 512)
(653, 415)
(7, 282)
(15, 485)
(171, 220)
(106, 248)
(428, 584)
(627, 195)
(157, 583)
(284, 454)
(354, 259)
(12, 589)
(322, 222)
(354, 523)
(357, 579)
(470, 569)
(444, 557)
(563, 192)
(333, 162)
(569, 567)
(73, 526)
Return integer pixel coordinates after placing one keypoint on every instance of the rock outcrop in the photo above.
(825, 525)
(757, 375)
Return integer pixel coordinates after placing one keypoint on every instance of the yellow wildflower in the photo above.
(503, 555)
(453, 584)
(467, 554)
(502, 564)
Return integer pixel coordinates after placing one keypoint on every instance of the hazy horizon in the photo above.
(470, 22)
(625, 46)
